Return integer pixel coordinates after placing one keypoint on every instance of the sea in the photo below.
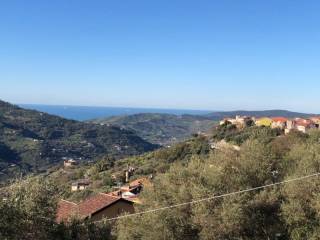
(83, 113)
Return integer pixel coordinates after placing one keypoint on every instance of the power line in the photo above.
(210, 198)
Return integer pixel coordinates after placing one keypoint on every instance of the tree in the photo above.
(301, 208)
(28, 210)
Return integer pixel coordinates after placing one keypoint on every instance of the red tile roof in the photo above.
(65, 210)
(279, 119)
(86, 208)
(96, 203)
(140, 181)
(136, 184)
(303, 122)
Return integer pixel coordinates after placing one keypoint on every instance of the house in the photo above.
(265, 121)
(226, 121)
(80, 185)
(239, 121)
(136, 186)
(279, 122)
(132, 190)
(316, 120)
(69, 163)
(300, 124)
(95, 208)
(303, 125)
(291, 124)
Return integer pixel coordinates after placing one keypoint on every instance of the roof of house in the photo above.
(304, 123)
(136, 184)
(97, 203)
(65, 210)
(88, 207)
(141, 181)
(279, 119)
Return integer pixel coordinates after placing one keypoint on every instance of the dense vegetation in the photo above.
(162, 129)
(190, 171)
(232, 134)
(31, 141)
(288, 211)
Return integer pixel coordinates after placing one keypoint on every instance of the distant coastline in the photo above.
(84, 113)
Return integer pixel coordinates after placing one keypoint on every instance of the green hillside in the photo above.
(162, 129)
(31, 141)
(187, 177)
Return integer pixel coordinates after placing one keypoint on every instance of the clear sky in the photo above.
(200, 54)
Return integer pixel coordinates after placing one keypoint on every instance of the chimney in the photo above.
(127, 176)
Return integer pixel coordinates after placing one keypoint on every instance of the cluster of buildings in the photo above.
(299, 124)
(103, 205)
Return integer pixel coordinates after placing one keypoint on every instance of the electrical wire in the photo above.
(210, 198)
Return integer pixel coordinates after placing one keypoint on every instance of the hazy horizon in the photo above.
(160, 108)
(84, 113)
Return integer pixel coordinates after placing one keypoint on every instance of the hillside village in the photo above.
(93, 193)
(286, 124)
(121, 199)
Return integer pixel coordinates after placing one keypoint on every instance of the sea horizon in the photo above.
(85, 113)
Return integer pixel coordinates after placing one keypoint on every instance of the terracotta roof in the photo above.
(135, 184)
(140, 181)
(279, 119)
(303, 122)
(86, 208)
(65, 210)
(96, 203)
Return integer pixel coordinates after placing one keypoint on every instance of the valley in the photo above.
(32, 141)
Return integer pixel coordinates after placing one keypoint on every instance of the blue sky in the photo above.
(215, 55)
